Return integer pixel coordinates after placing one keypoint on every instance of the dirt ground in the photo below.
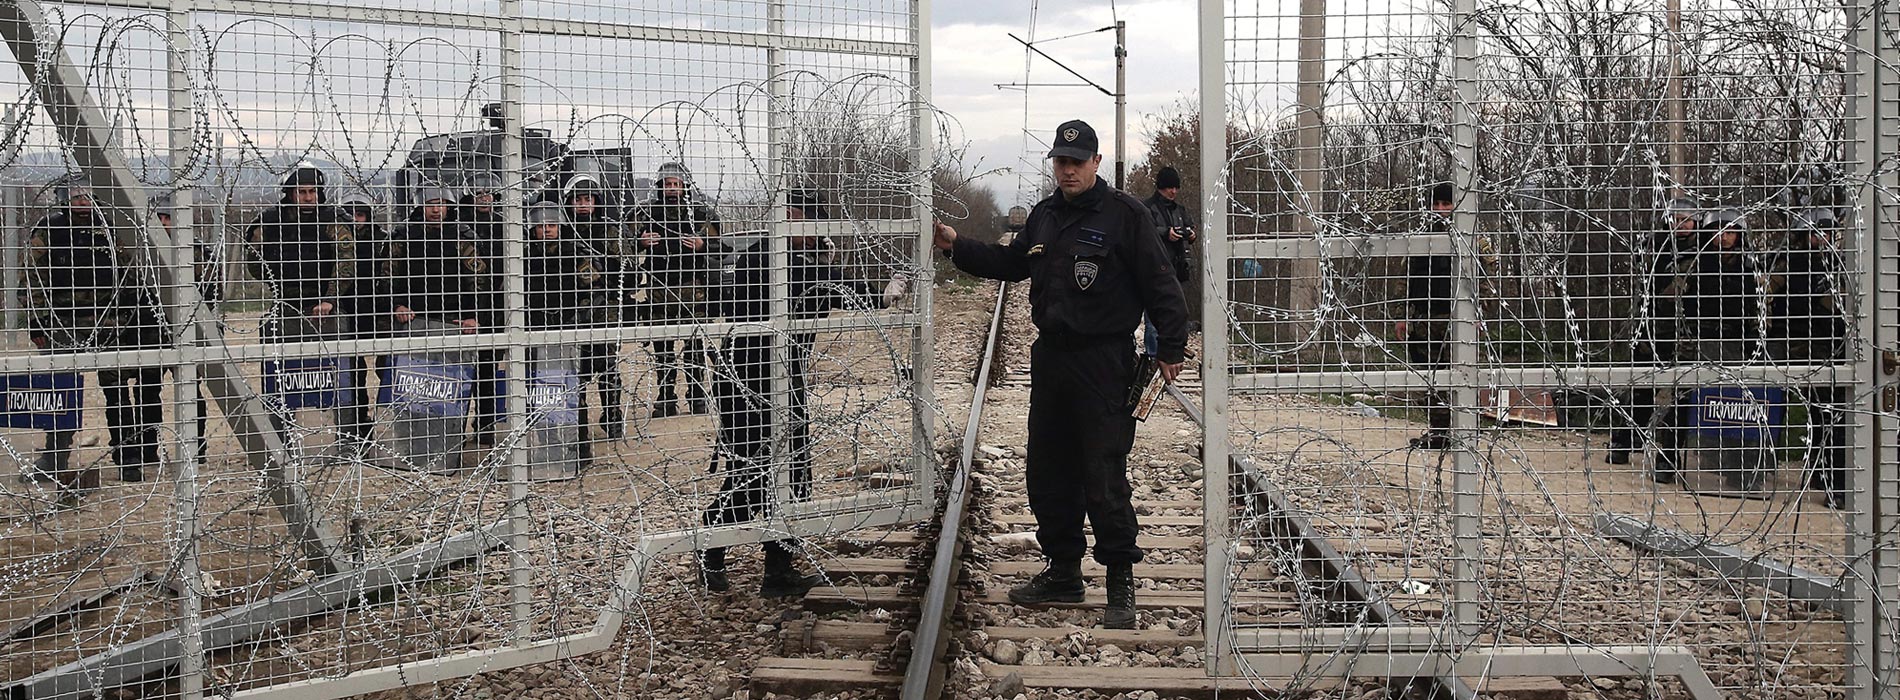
(1547, 576)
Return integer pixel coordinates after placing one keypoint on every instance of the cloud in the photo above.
(972, 52)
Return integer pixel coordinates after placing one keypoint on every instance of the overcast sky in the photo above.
(973, 52)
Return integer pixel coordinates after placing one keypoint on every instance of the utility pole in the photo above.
(1121, 103)
(1310, 149)
(1678, 158)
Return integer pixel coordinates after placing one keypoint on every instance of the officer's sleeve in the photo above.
(38, 282)
(1187, 222)
(395, 271)
(1154, 279)
(254, 248)
(708, 222)
(1009, 263)
(343, 271)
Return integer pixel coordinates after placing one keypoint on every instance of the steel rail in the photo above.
(924, 674)
(1314, 550)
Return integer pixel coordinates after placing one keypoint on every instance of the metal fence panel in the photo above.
(1558, 325)
(434, 338)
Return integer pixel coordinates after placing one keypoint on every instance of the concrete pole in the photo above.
(1678, 156)
(1302, 276)
(1121, 105)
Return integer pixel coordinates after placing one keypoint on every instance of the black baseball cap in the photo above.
(1074, 139)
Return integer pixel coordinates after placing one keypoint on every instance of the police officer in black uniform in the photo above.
(1094, 265)
(564, 283)
(590, 219)
(479, 216)
(742, 387)
(1672, 252)
(1810, 328)
(1428, 288)
(304, 251)
(85, 295)
(368, 307)
(675, 230)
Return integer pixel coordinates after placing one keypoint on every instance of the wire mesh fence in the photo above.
(1555, 320)
(354, 346)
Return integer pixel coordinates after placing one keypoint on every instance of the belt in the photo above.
(1075, 341)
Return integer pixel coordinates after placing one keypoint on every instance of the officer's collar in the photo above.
(1091, 199)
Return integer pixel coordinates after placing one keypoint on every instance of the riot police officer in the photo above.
(368, 305)
(1428, 290)
(478, 215)
(1721, 292)
(1094, 265)
(304, 251)
(434, 267)
(590, 218)
(83, 290)
(564, 283)
(1671, 252)
(742, 388)
(1811, 328)
(674, 231)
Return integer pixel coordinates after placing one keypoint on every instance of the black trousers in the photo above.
(742, 393)
(1627, 424)
(1080, 432)
(600, 366)
(134, 412)
(1427, 349)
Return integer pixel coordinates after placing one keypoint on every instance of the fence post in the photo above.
(1874, 495)
(1214, 325)
(514, 290)
(183, 258)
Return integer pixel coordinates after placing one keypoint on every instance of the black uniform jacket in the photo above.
(1094, 265)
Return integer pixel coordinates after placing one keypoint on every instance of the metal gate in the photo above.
(1554, 342)
(700, 220)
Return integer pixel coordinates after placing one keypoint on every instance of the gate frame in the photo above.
(81, 126)
(1449, 650)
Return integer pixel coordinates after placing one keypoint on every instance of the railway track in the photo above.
(917, 614)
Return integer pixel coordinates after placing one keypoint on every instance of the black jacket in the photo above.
(1807, 308)
(438, 271)
(565, 287)
(1094, 266)
(82, 289)
(1428, 285)
(304, 255)
(1724, 297)
(670, 263)
(1169, 214)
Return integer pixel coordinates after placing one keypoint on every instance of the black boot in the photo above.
(1431, 440)
(712, 570)
(666, 406)
(782, 577)
(1617, 455)
(1664, 470)
(695, 396)
(1120, 614)
(612, 421)
(1061, 582)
